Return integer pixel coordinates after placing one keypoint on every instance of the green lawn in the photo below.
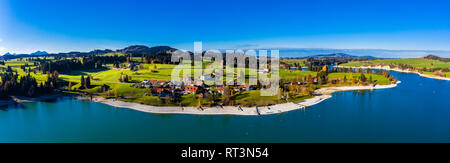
(113, 54)
(296, 74)
(415, 62)
(163, 72)
(301, 62)
(380, 79)
(254, 98)
(186, 100)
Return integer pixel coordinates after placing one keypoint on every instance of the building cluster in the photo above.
(187, 86)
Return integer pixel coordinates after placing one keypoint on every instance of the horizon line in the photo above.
(256, 48)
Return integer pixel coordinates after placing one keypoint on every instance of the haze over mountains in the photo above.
(338, 55)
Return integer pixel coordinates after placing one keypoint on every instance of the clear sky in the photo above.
(83, 25)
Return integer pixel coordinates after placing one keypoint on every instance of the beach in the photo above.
(399, 70)
(321, 95)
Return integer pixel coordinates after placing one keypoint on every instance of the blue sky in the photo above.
(83, 25)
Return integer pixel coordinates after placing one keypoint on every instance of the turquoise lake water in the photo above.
(417, 110)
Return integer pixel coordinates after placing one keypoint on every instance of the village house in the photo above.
(245, 87)
(220, 90)
(300, 83)
(236, 89)
(154, 82)
(186, 79)
(198, 83)
(176, 84)
(190, 90)
(146, 84)
(143, 84)
(162, 92)
(161, 82)
(263, 71)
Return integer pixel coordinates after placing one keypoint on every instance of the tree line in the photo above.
(75, 64)
(14, 85)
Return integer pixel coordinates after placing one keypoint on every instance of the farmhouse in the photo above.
(190, 90)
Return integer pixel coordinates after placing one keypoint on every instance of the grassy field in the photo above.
(380, 79)
(301, 62)
(415, 62)
(16, 63)
(253, 98)
(296, 74)
(186, 100)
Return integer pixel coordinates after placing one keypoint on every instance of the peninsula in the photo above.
(139, 78)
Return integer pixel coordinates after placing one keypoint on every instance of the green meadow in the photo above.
(415, 62)
(380, 79)
(300, 62)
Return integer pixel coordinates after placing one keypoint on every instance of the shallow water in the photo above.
(417, 110)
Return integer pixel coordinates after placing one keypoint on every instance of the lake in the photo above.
(417, 110)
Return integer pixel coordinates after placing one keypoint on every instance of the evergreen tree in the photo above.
(88, 82)
(70, 86)
(363, 78)
(82, 82)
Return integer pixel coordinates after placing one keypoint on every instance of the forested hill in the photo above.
(140, 49)
(433, 57)
(135, 50)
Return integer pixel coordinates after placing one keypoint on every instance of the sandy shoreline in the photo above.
(399, 70)
(322, 94)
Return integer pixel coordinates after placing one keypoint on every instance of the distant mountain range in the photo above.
(138, 50)
(339, 55)
(39, 53)
(35, 53)
(378, 53)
